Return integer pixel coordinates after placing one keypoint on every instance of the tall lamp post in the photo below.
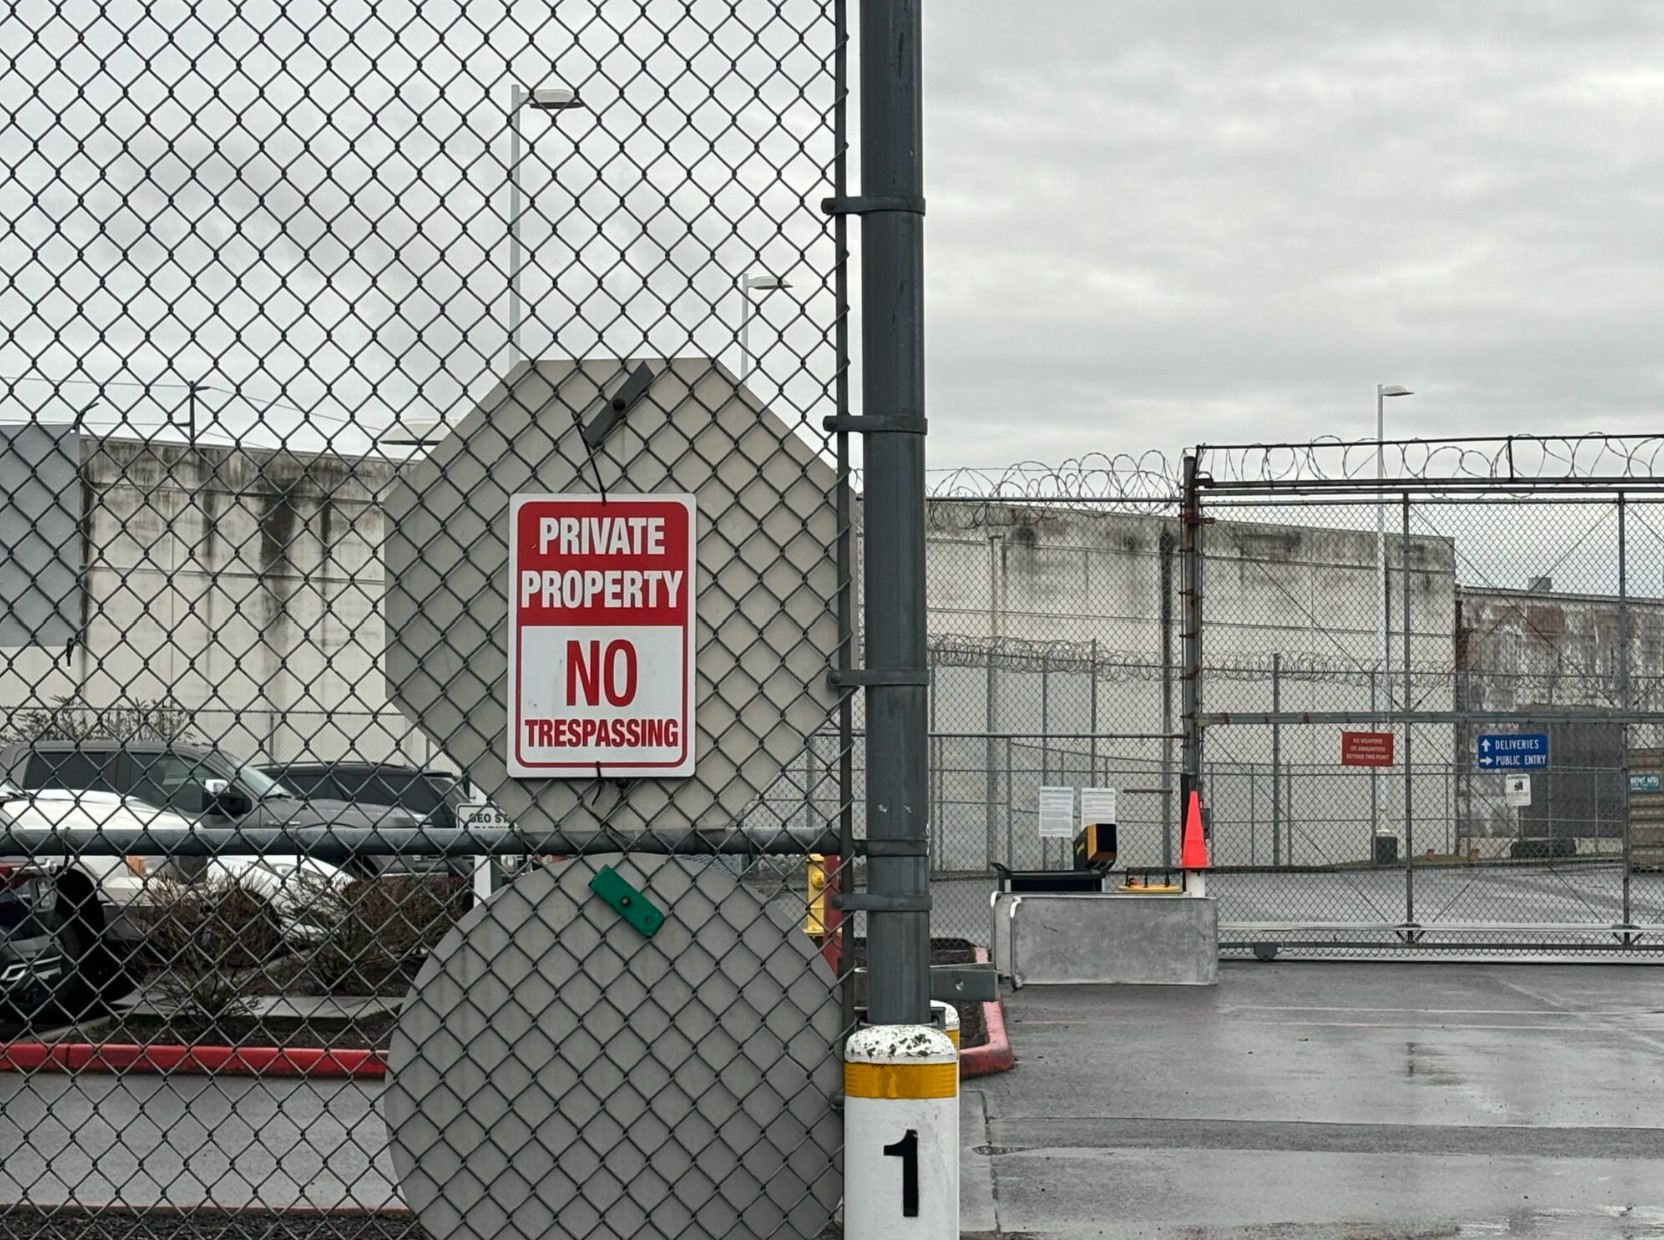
(549, 99)
(749, 284)
(1382, 392)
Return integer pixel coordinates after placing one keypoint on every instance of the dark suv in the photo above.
(432, 796)
(201, 783)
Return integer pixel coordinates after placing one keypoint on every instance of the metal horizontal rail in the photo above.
(1371, 497)
(1396, 948)
(1386, 718)
(1059, 500)
(1372, 487)
(1036, 736)
(326, 843)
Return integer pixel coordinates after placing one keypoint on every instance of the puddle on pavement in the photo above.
(1425, 1064)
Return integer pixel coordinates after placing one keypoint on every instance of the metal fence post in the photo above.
(892, 382)
(1167, 546)
(1010, 796)
(1374, 772)
(1623, 691)
(1409, 729)
(993, 788)
(1276, 760)
(846, 518)
(1045, 737)
(1092, 673)
(1191, 633)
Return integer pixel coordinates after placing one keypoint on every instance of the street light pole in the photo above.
(1382, 392)
(545, 99)
(765, 284)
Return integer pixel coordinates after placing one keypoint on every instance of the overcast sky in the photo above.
(1157, 222)
(1152, 222)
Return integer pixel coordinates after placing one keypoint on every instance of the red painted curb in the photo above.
(313, 1062)
(996, 1054)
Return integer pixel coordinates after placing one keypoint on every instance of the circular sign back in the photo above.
(556, 1073)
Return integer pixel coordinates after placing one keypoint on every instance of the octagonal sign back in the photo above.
(555, 627)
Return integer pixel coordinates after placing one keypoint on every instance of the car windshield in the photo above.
(261, 784)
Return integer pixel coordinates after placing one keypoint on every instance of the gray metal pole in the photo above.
(1623, 688)
(1092, 673)
(846, 517)
(1168, 545)
(1009, 797)
(1409, 730)
(1374, 771)
(1190, 635)
(992, 792)
(517, 104)
(892, 384)
(1276, 762)
(1045, 739)
(745, 325)
(1253, 817)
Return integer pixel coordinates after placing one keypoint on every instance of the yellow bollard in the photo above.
(815, 886)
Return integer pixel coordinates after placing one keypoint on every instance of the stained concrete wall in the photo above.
(244, 586)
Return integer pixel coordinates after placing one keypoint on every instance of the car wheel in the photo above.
(68, 996)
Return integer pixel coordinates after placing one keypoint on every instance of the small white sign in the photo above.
(1516, 789)
(1057, 813)
(481, 816)
(1097, 805)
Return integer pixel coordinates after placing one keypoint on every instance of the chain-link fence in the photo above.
(424, 542)
(1444, 739)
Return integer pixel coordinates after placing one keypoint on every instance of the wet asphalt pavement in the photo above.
(1298, 1101)
(1362, 1101)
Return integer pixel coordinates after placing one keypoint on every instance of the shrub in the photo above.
(205, 940)
(381, 929)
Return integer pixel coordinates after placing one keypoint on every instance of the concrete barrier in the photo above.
(1124, 940)
(999, 933)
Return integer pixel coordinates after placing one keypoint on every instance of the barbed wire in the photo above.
(1522, 458)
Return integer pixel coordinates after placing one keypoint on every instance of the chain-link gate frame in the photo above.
(1345, 873)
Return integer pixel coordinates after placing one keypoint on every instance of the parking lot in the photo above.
(1297, 1101)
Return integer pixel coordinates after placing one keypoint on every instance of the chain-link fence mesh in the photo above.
(1445, 725)
(298, 299)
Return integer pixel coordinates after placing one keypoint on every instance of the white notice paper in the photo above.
(1097, 805)
(1057, 813)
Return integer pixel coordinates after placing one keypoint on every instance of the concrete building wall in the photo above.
(242, 586)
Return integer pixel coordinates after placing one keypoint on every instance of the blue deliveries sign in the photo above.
(1513, 751)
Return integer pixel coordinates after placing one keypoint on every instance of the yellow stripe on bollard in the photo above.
(901, 1080)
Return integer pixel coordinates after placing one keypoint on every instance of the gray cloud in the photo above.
(1158, 223)
(1153, 222)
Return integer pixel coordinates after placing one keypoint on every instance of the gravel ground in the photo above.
(32, 1223)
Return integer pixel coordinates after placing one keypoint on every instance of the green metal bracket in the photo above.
(626, 901)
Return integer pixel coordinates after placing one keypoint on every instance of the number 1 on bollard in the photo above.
(907, 1149)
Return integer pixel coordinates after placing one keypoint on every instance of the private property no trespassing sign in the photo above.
(601, 636)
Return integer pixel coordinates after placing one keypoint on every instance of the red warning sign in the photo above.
(601, 636)
(1366, 748)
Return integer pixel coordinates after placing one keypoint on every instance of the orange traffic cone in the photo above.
(1193, 854)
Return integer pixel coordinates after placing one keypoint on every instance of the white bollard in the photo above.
(946, 1018)
(901, 1134)
(1195, 882)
